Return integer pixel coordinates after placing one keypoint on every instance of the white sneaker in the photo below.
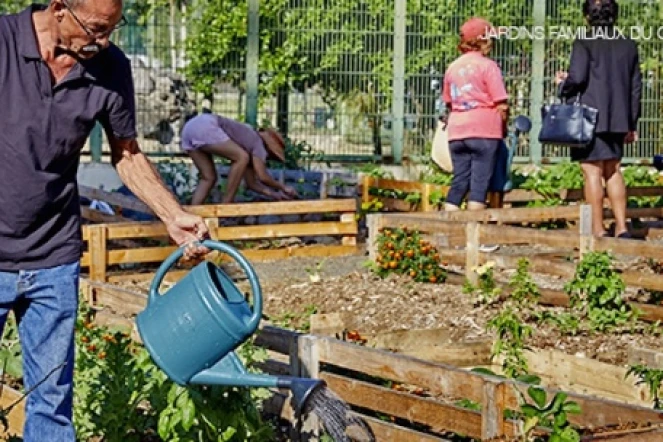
(488, 248)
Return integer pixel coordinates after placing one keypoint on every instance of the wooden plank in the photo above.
(513, 215)
(158, 254)
(393, 204)
(388, 432)
(114, 198)
(404, 186)
(101, 217)
(138, 229)
(171, 277)
(492, 410)
(523, 235)
(440, 378)
(144, 254)
(274, 208)
(472, 252)
(649, 434)
(16, 418)
(98, 255)
(428, 225)
(405, 405)
(286, 230)
(315, 250)
(117, 299)
(586, 376)
(629, 247)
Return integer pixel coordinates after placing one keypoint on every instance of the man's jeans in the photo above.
(45, 303)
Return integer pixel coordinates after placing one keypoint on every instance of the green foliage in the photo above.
(566, 323)
(652, 377)
(487, 289)
(596, 292)
(523, 288)
(512, 334)
(122, 396)
(550, 181)
(551, 415)
(11, 6)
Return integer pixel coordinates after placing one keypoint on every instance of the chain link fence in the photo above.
(353, 79)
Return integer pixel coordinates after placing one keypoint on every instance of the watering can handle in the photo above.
(221, 247)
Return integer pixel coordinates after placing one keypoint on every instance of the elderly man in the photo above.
(58, 75)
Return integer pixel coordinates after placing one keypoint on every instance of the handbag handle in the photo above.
(559, 95)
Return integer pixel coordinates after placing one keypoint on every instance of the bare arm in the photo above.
(254, 184)
(263, 175)
(140, 176)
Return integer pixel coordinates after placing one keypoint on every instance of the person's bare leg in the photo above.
(614, 183)
(593, 173)
(206, 176)
(240, 160)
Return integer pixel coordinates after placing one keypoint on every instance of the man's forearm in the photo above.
(142, 178)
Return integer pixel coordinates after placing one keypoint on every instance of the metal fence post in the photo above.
(398, 99)
(252, 59)
(536, 88)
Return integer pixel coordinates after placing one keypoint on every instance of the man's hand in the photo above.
(185, 229)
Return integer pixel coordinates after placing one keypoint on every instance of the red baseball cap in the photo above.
(474, 28)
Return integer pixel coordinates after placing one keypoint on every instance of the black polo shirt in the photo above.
(43, 128)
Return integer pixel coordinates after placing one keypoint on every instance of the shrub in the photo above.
(404, 252)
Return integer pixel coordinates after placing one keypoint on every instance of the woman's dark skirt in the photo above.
(605, 146)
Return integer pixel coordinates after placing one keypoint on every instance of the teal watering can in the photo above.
(192, 330)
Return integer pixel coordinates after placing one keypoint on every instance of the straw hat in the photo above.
(274, 142)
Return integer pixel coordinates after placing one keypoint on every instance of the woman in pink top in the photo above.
(476, 98)
(208, 134)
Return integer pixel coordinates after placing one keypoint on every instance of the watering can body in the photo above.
(192, 330)
(200, 320)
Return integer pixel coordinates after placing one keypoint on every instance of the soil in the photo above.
(370, 304)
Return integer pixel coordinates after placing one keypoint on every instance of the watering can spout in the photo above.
(230, 371)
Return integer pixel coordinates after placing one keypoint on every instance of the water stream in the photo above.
(336, 417)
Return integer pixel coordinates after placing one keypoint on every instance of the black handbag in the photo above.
(568, 124)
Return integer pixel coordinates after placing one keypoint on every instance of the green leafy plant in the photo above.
(523, 288)
(596, 291)
(122, 396)
(551, 415)
(566, 323)
(487, 288)
(403, 251)
(512, 334)
(651, 377)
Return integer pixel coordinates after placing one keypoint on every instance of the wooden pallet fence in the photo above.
(346, 366)
(99, 257)
(383, 190)
(341, 364)
(462, 228)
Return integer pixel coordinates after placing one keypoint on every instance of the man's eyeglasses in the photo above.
(96, 34)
